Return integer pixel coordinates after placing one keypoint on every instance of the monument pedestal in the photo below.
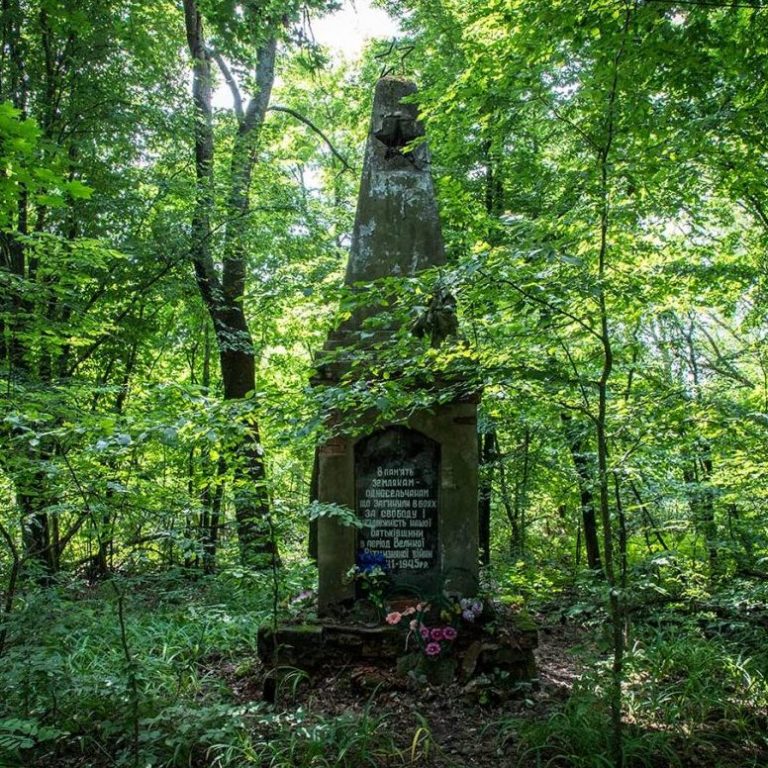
(414, 487)
(311, 646)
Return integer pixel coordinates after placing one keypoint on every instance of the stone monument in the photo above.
(413, 483)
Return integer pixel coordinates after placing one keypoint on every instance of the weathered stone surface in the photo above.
(457, 528)
(311, 645)
(500, 644)
(295, 645)
(397, 226)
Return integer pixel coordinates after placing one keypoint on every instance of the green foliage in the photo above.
(341, 514)
(554, 127)
(576, 736)
(18, 736)
(695, 685)
(693, 680)
(69, 684)
(304, 740)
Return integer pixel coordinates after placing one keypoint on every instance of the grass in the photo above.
(77, 696)
(80, 691)
(73, 688)
(693, 695)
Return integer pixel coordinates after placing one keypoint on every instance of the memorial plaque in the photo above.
(397, 473)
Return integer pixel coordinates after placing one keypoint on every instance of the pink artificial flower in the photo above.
(436, 633)
(394, 617)
(432, 649)
(419, 607)
(449, 633)
(409, 610)
(424, 632)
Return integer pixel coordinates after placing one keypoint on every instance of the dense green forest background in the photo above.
(170, 267)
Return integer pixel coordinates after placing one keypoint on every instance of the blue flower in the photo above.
(368, 561)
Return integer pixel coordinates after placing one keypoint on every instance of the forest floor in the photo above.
(445, 725)
(452, 726)
(191, 692)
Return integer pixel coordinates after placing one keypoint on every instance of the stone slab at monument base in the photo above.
(506, 650)
(311, 645)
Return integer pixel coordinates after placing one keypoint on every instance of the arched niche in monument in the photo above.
(397, 489)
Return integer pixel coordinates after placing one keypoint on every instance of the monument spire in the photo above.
(397, 226)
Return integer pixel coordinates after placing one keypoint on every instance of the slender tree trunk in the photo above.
(697, 477)
(510, 509)
(615, 595)
(13, 578)
(487, 450)
(521, 492)
(213, 490)
(29, 479)
(648, 516)
(579, 450)
(211, 539)
(36, 526)
(312, 542)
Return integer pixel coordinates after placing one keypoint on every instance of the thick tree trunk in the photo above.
(249, 482)
(38, 537)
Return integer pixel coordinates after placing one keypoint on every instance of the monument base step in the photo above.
(507, 650)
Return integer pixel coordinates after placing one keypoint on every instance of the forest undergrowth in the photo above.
(161, 670)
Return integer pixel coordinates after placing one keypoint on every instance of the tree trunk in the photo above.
(521, 493)
(580, 456)
(313, 496)
(223, 290)
(697, 477)
(487, 450)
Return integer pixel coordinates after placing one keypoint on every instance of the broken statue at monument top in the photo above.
(413, 482)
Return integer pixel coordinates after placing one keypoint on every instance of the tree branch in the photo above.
(543, 302)
(310, 124)
(205, 269)
(229, 79)
(265, 78)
